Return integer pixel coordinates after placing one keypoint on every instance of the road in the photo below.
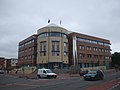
(111, 82)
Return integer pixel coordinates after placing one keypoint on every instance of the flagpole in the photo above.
(60, 22)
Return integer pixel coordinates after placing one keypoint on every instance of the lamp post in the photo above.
(97, 62)
(92, 63)
(42, 64)
(104, 64)
(23, 71)
(23, 64)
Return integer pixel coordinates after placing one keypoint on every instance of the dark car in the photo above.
(94, 75)
(1, 71)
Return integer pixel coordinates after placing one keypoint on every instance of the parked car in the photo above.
(94, 75)
(1, 71)
(46, 73)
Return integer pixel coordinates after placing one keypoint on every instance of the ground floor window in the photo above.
(53, 65)
(85, 65)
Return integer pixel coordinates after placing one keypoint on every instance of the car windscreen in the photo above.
(49, 71)
(92, 72)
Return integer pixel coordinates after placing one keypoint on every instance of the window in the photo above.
(57, 53)
(95, 56)
(43, 48)
(53, 53)
(55, 48)
(89, 48)
(106, 44)
(82, 55)
(52, 34)
(107, 57)
(93, 41)
(82, 47)
(44, 53)
(100, 49)
(25, 57)
(33, 40)
(44, 71)
(100, 43)
(65, 53)
(106, 50)
(80, 39)
(95, 48)
(64, 35)
(65, 49)
(89, 55)
(40, 47)
(88, 41)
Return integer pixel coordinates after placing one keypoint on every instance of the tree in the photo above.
(115, 59)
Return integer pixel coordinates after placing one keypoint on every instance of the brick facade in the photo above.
(27, 53)
(2, 63)
(90, 51)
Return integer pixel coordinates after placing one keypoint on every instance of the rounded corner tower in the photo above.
(52, 44)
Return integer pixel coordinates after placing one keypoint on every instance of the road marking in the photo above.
(5, 85)
(27, 85)
(113, 87)
(58, 78)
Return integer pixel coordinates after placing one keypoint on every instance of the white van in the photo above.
(46, 73)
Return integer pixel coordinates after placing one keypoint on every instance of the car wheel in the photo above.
(39, 76)
(101, 78)
(48, 76)
(55, 77)
(84, 79)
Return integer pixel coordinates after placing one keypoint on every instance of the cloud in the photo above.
(22, 18)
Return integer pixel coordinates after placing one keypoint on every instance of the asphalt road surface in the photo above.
(110, 82)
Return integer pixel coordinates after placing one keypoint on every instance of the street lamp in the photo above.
(23, 69)
(104, 54)
(92, 63)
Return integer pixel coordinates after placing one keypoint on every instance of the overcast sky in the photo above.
(21, 18)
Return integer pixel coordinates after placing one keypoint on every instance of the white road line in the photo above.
(113, 87)
(27, 85)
